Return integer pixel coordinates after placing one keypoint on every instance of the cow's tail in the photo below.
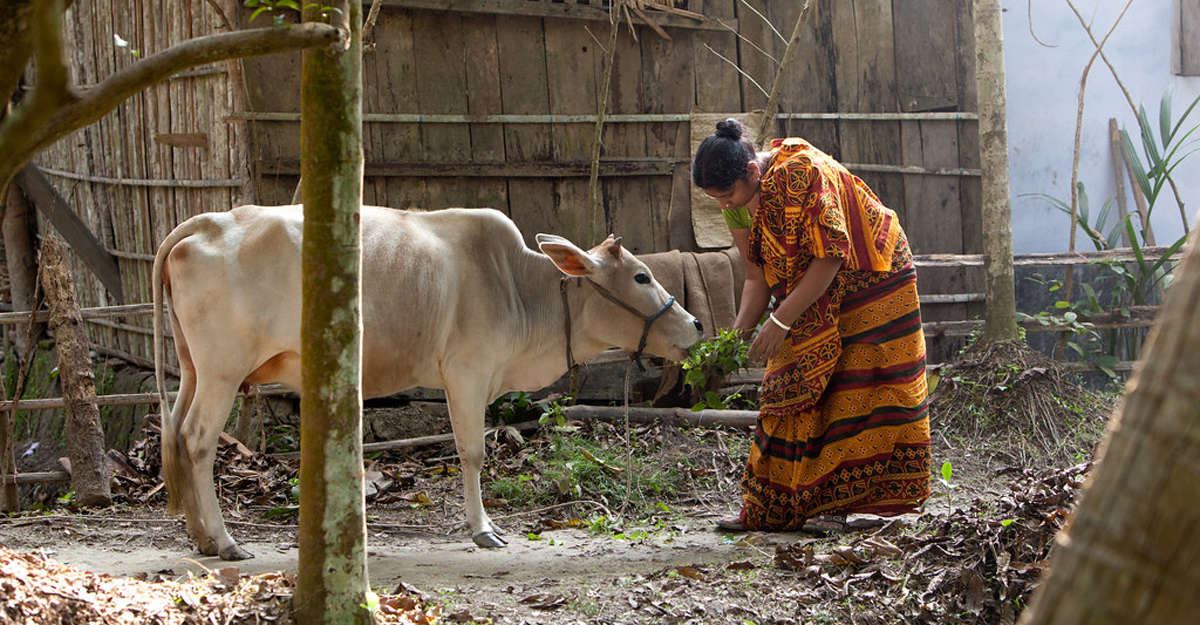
(175, 475)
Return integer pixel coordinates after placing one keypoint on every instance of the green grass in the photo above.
(577, 468)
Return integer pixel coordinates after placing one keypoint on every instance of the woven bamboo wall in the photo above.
(161, 157)
(492, 103)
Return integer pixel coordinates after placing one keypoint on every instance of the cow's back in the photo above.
(437, 286)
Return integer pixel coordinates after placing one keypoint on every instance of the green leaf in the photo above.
(280, 511)
(1148, 142)
(1135, 163)
(1188, 112)
(1133, 242)
(947, 470)
(1164, 116)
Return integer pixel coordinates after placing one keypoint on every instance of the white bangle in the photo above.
(779, 323)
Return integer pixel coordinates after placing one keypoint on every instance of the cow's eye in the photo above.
(642, 278)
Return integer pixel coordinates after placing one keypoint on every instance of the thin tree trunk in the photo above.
(332, 584)
(90, 474)
(20, 252)
(1000, 312)
(1130, 551)
(10, 495)
(21, 259)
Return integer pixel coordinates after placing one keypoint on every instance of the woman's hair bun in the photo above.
(730, 129)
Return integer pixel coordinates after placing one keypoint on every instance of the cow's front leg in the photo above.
(467, 405)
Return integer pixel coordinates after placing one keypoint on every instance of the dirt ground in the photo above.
(972, 556)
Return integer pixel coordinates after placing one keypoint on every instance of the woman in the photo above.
(843, 425)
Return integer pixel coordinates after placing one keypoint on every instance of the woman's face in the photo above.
(742, 191)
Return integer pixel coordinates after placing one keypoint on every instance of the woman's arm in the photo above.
(755, 292)
(812, 285)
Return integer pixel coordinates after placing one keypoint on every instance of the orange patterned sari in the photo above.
(843, 424)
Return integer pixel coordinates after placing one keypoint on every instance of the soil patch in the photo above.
(579, 554)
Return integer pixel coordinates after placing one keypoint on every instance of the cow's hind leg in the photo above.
(467, 404)
(200, 433)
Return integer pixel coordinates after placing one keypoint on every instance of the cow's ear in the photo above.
(566, 255)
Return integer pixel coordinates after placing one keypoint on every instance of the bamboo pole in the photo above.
(149, 182)
(585, 118)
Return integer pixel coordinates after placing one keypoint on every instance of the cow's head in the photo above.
(629, 308)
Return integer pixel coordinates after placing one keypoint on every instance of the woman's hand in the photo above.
(767, 343)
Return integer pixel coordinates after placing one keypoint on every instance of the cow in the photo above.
(452, 299)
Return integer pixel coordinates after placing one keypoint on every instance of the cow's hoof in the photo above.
(234, 552)
(489, 540)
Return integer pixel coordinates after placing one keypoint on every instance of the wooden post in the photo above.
(85, 440)
(766, 125)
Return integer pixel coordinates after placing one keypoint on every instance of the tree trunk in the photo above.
(332, 584)
(20, 252)
(1130, 551)
(90, 474)
(1000, 312)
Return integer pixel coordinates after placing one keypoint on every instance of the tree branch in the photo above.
(15, 43)
(30, 130)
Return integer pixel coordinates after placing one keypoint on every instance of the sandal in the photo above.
(826, 524)
(731, 523)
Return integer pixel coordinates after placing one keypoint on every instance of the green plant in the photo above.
(947, 473)
(519, 407)
(1138, 282)
(578, 468)
(709, 362)
(1071, 318)
(281, 439)
(555, 408)
(511, 408)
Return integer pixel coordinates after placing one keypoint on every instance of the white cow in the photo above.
(452, 299)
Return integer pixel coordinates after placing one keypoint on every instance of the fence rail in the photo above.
(1132, 317)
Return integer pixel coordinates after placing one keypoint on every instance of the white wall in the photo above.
(1045, 52)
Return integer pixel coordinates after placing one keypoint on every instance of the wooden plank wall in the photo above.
(907, 68)
(159, 158)
(887, 86)
(520, 59)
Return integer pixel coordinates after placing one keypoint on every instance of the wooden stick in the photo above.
(1118, 153)
(44, 477)
(421, 441)
(668, 416)
(768, 118)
